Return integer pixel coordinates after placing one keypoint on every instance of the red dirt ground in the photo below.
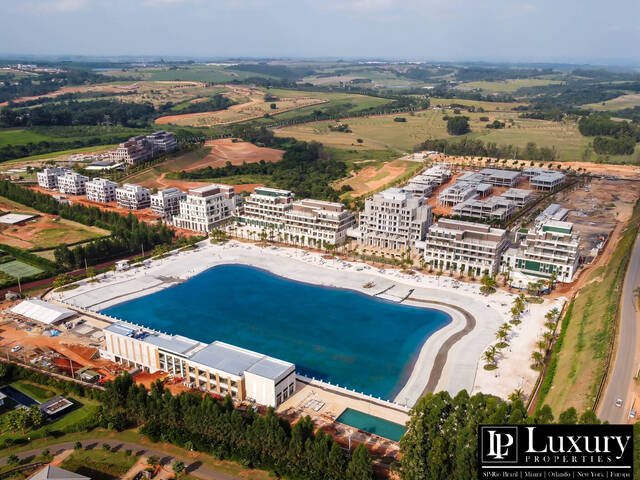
(226, 150)
(62, 91)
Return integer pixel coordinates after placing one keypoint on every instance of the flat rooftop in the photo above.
(13, 218)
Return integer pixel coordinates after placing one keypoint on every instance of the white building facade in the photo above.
(101, 190)
(394, 219)
(72, 183)
(166, 203)
(133, 197)
(207, 207)
(48, 178)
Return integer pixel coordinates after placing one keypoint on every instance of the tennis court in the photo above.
(18, 269)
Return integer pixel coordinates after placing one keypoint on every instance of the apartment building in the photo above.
(162, 142)
(519, 196)
(551, 247)
(461, 191)
(438, 174)
(48, 178)
(501, 178)
(316, 222)
(394, 219)
(547, 181)
(553, 212)
(474, 247)
(132, 152)
(206, 207)
(72, 183)
(493, 208)
(166, 203)
(266, 208)
(101, 190)
(133, 197)
(218, 367)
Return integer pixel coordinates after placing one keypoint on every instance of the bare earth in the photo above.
(372, 178)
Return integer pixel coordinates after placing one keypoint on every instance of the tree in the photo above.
(36, 417)
(490, 355)
(538, 359)
(360, 467)
(569, 416)
(516, 395)
(458, 125)
(336, 463)
(91, 272)
(502, 335)
(178, 467)
(62, 279)
(488, 284)
(154, 461)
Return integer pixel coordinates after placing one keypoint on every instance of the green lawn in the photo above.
(64, 153)
(19, 269)
(506, 86)
(202, 73)
(20, 136)
(36, 392)
(99, 464)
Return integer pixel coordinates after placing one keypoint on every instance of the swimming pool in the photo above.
(369, 423)
(17, 396)
(342, 336)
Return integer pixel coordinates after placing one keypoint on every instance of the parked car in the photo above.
(17, 348)
(632, 413)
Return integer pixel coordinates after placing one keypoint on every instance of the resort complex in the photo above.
(205, 208)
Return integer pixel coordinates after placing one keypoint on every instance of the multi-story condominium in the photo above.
(132, 152)
(552, 212)
(218, 368)
(519, 196)
(547, 181)
(101, 190)
(162, 142)
(206, 207)
(438, 173)
(461, 191)
(394, 219)
(133, 197)
(552, 247)
(472, 247)
(166, 203)
(266, 207)
(48, 178)
(419, 187)
(72, 183)
(315, 222)
(501, 178)
(493, 208)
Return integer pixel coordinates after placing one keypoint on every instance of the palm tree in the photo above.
(461, 268)
(542, 345)
(551, 280)
(490, 355)
(505, 326)
(516, 395)
(501, 336)
(548, 337)
(538, 359)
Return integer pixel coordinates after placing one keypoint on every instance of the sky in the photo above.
(571, 31)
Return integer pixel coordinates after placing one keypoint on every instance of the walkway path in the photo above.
(195, 468)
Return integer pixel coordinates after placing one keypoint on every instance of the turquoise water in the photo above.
(369, 423)
(337, 335)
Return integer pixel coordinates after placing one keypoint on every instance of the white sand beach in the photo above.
(462, 368)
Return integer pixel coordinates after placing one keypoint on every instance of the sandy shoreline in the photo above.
(461, 370)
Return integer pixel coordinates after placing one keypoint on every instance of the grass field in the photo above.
(618, 103)
(20, 136)
(579, 365)
(59, 154)
(202, 73)
(506, 86)
(99, 464)
(18, 269)
(35, 391)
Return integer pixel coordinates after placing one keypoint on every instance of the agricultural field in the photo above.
(201, 73)
(618, 103)
(251, 105)
(374, 177)
(506, 86)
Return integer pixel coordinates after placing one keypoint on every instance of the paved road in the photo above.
(624, 368)
(196, 468)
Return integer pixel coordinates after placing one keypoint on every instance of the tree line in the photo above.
(478, 148)
(612, 137)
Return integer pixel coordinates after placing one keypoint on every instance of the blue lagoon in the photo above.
(342, 336)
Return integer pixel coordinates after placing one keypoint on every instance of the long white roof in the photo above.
(40, 311)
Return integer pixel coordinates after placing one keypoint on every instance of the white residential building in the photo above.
(72, 183)
(266, 207)
(162, 142)
(48, 178)
(166, 203)
(309, 222)
(439, 173)
(394, 219)
(133, 197)
(206, 207)
(501, 178)
(218, 367)
(452, 244)
(132, 152)
(493, 208)
(547, 181)
(552, 247)
(519, 196)
(101, 190)
(315, 222)
(457, 193)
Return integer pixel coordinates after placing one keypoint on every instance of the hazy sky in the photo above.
(532, 30)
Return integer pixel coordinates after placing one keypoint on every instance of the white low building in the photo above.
(72, 183)
(41, 311)
(48, 178)
(394, 219)
(205, 208)
(316, 222)
(217, 367)
(166, 203)
(133, 197)
(492, 208)
(547, 181)
(101, 190)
